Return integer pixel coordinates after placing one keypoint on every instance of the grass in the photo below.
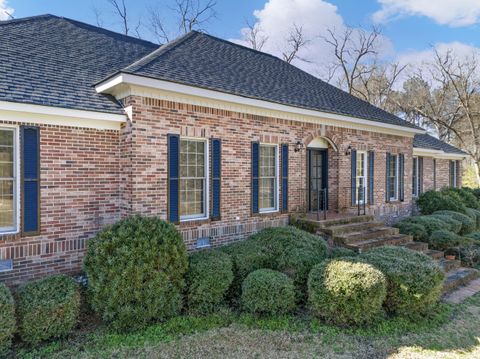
(451, 332)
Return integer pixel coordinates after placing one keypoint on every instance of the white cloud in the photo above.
(278, 17)
(5, 10)
(454, 13)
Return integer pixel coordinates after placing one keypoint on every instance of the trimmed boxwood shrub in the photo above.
(443, 240)
(432, 201)
(414, 280)
(136, 272)
(268, 292)
(468, 224)
(7, 319)
(475, 215)
(339, 252)
(464, 195)
(208, 278)
(47, 308)
(416, 230)
(451, 224)
(346, 292)
(475, 236)
(430, 223)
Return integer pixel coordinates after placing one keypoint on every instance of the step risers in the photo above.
(416, 246)
(372, 233)
(434, 254)
(351, 227)
(339, 221)
(458, 277)
(448, 265)
(393, 240)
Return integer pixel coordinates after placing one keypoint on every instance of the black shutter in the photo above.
(371, 176)
(173, 177)
(401, 177)
(452, 173)
(284, 178)
(387, 178)
(255, 175)
(434, 174)
(420, 175)
(354, 177)
(216, 148)
(30, 137)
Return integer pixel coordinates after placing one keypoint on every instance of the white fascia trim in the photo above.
(28, 113)
(426, 152)
(108, 86)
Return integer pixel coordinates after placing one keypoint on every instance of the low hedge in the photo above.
(136, 271)
(416, 230)
(346, 292)
(443, 240)
(414, 280)
(268, 292)
(432, 201)
(468, 224)
(451, 224)
(209, 276)
(7, 319)
(466, 196)
(47, 308)
(340, 252)
(430, 223)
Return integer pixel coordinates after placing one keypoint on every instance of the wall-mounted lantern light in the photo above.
(298, 146)
(349, 151)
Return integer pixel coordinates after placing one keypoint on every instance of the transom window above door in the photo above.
(193, 178)
(268, 178)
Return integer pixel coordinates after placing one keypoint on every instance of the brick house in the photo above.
(217, 138)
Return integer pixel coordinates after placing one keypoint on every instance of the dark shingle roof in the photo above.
(432, 143)
(205, 61)
(54, 61)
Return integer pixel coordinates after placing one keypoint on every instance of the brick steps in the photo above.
(434, 254)
(391, 240)
(340, 221)
(364, 235)
(458, 277)
(416, 246)
(448, 264)
(351, 227)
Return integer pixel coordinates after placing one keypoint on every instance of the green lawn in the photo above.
(454, 332)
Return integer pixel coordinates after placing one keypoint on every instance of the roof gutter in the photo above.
(428, 152)
(111, 86)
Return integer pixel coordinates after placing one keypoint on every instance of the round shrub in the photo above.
(268, 292)
(465, 195)
(340, 252)
(346, 292)
(136, 272)
(208, 278)
(7, 319)
(414, 280)
(47, 308)
(430, 223)
(451, 224)
(432, 201)
(444, 240)
(468, 224)
(416, 230)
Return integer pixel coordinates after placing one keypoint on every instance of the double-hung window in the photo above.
(268, 178)
(393, 178)
(415, 177)
(193, 179)
(8, 180)
(361, 176)
(453, 173)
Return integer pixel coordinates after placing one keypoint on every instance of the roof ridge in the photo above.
(27, 18)
(160, 51)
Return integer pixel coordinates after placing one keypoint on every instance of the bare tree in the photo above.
(190, 15)
(295, 41)
(98, 16)
(120, 9)
(255, 36)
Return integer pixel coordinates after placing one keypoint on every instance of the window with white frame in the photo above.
(415, 177)
(453, 173)
(393, 178)
(361, 176)
(8, 180)
(268, 166)
(193, 178)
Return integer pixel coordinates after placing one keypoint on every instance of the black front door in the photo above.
(317, 179)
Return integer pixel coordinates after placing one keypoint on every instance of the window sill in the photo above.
(194, 219)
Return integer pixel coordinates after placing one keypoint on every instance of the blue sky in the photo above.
(409, 27)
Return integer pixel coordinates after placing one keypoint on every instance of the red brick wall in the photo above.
(79, 195)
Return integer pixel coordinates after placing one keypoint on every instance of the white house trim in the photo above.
(38, 114)
(123, 85)
(425, 152)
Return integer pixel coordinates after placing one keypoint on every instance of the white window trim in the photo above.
(365, 170)
(277, 184)
(416, 184)
(16, 188)
(455, 164)
(395, 198)
(206, 192)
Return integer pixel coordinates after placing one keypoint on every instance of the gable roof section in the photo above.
(54, 61)
(431, 143)
(204, 61)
